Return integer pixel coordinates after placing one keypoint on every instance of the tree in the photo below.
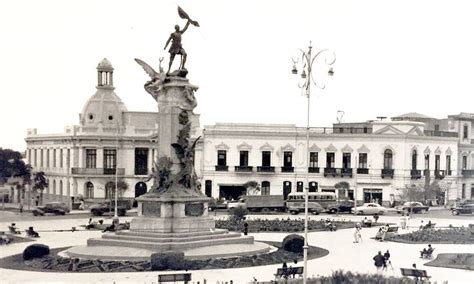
(39, 183)
(122, 186)
(253, 187)
(342, 187)
(12, 166)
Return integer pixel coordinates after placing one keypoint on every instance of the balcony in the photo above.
(287, 169)
(439, 174)
(363, 171)
(222, 168)
(330, 171)
(388, 173)
(243, 169)
(346, 172)
(313, 170)
(415, 174)
(141, 171)
(438, 133)
(266, 169)
(468, 173)
(97, 171)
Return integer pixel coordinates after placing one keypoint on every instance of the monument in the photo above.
(173, 215)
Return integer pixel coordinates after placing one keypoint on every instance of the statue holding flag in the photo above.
(175, 39)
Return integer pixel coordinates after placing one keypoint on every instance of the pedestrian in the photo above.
(387, 261)
(376, 217)
(37, 200)
(403, 221)
(246, 228)
(21, 207)
(357, 235)
(379, 261)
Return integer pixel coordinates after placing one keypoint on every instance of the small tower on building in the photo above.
(105, 75)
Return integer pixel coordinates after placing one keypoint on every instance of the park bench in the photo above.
(286, 272)
(419, 274)
(165, 278)
(392, 230)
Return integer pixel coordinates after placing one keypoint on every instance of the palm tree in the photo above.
(39, 183)
(253, 187)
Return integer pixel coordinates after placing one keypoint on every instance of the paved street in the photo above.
(343, 253)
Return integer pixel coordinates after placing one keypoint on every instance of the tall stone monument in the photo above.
(173, 215)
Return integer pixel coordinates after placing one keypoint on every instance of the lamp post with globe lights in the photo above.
(308, 60)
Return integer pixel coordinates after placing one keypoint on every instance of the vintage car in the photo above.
(369, 209)
(107, 208)
(341, 206)
(57, 208)
(412, 207)
(467, 208)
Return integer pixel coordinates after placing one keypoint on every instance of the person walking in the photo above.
(387, 261)
(379, 261)
(357, 235)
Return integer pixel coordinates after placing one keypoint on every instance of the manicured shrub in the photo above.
(238, 213)
(168, 260)
(35, 251)
(293, 243)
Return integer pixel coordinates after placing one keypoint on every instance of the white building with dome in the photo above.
(110, 142)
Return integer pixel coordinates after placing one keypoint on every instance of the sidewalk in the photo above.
(14, 207)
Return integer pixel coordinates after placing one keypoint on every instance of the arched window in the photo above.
(286, 189)
(387, 159)
(265, 188)
(89, 190)
(299, 186)
(313, 186)
(140, 188)
(414, 157)
(109, 190)
(60, 188)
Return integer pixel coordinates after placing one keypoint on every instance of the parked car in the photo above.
(370, 208)
(341, 206)
(107, 208)
(57, 208)
(467, 208)
(412, 207)
(216, 205)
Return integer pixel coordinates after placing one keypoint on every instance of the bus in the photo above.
(317, 201)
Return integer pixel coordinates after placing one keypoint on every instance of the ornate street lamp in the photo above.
(307, 75)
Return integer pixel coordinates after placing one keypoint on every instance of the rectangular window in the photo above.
(68, 158)
(54, 158)
(437, 162)
(448, 164)
(47, 158)
(465, 133)
(472, 191)
(313, 159)
(299, 186)
(41, 157)
(91, 158)
(463, 191)
(141, 161)
(427, 162)
(464, 162)
(208, 188)
(244, 158)
(222, 158)
(287, 159)
(436, 127)
(346, 160)
(266, 158)
(35, 159)
(363, 161)
(60, 158)
(110, 158)
(330, 160)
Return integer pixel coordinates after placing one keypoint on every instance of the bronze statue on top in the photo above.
(175, 38)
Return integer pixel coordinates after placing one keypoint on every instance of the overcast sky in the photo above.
(393, 57)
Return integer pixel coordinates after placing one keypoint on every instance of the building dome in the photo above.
(105, 65)
(104, 107)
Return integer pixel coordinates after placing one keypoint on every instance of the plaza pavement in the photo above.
(343, 254)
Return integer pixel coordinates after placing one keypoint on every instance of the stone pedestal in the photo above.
(172, 215)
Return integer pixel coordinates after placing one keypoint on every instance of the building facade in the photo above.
(110, 143)
(378, 159)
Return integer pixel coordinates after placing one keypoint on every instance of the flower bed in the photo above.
(279, 225)
(53, 262)
(452, 235)
(454, 260)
